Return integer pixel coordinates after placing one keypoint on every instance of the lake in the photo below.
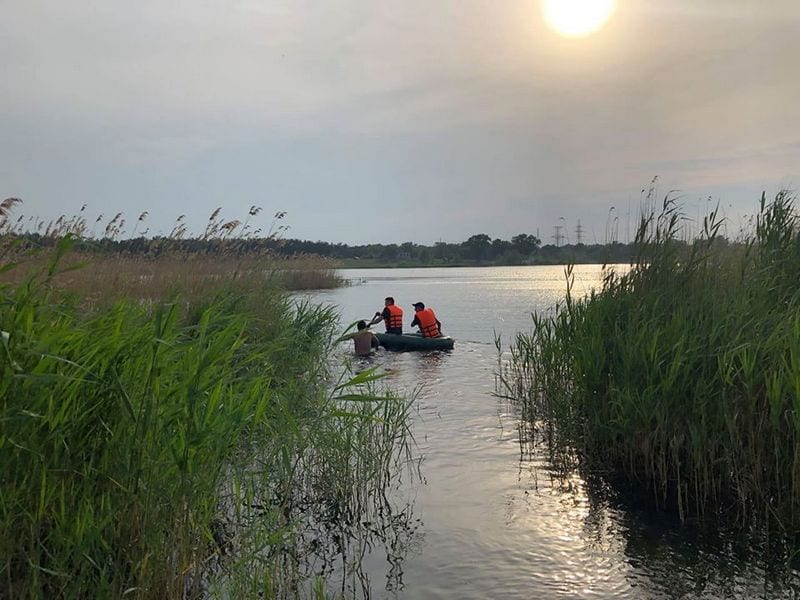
(485, 518)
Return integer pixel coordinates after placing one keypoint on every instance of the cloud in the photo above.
(457, 108)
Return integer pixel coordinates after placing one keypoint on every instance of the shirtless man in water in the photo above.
(363, 339)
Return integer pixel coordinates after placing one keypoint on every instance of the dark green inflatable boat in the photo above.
(414, 341)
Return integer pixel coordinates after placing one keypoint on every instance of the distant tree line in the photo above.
(479, 249)
(234, 237)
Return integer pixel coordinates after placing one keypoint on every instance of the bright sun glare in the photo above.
(577, 18)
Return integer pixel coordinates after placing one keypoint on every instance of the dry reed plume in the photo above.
(101, 269)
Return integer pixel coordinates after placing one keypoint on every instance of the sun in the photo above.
(577, 18)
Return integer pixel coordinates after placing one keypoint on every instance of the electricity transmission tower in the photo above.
(557, 235)
(579, 232)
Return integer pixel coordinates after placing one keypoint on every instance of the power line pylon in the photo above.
(557, 235)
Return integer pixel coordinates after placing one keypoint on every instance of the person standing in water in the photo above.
(392, 317)
(363, 339)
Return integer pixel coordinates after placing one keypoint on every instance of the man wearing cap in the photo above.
(425, 319)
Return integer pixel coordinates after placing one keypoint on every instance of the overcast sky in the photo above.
(395, 121)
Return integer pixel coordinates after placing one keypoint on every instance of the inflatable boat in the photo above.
(414, 341)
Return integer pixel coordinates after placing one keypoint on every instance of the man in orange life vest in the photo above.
(392, 316)
(425, 318)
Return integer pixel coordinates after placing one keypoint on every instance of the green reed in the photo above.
(682, 376)
(148, 450)
(343, 471)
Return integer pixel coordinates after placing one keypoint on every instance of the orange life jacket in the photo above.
(427, 323)
(395, 320)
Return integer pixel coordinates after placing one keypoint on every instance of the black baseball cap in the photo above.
(418, 304)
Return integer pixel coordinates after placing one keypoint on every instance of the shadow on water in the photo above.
(668, 558)
(693, 561)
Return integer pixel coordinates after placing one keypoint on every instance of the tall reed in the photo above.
(151, 449)
(682, 376)
(100, 280)
(105, 269)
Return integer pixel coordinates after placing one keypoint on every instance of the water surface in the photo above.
(490, 522)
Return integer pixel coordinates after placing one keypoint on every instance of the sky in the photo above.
(388, 122)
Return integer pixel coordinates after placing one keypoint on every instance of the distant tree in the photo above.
(389, 251)
(525, 244)
(499, 247)
(477, 247)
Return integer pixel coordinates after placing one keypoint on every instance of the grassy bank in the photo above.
(100, 279)
(681, 377)
(162, 448)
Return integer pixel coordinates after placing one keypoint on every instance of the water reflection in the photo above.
(430, 364)
(343, 544)
(341, 523)
(707, 562)
(663, 558)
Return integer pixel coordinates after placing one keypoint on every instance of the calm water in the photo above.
(488, 520)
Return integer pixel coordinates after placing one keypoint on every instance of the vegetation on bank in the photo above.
(235, 238)
(101, 270)
(454, 255)
(242, 240)
(161, 441)
(478, 250)
(682, 376)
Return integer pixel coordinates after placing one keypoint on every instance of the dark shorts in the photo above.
(395, 330)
